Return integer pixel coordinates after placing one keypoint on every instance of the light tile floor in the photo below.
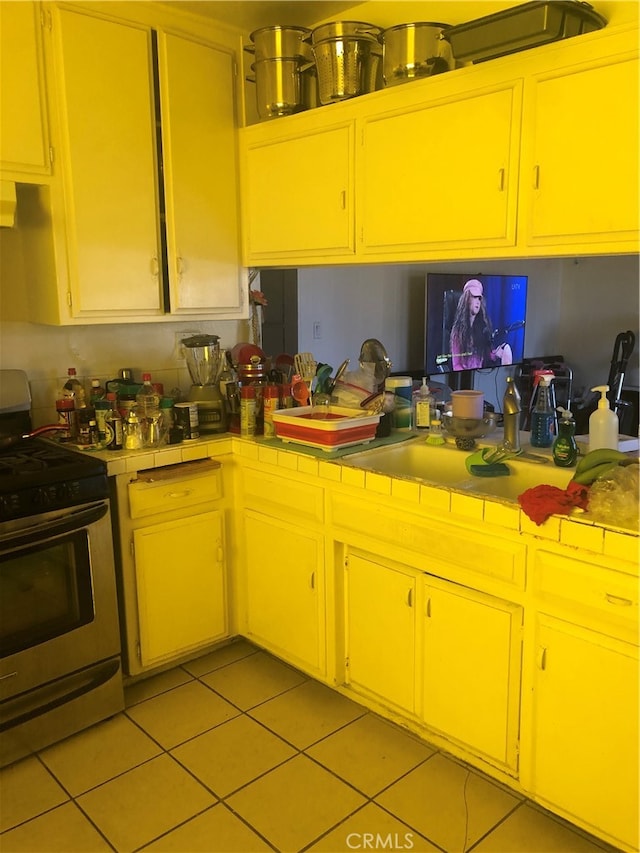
(236, 752)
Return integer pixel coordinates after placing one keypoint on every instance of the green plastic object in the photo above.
(499, 469)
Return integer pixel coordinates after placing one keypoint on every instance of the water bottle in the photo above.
(543, 415)
(148, 411)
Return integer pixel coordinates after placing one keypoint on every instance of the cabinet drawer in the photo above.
(285, 498)
(175, 487)
(606, 593)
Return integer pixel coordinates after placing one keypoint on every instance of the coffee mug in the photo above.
(467, 404)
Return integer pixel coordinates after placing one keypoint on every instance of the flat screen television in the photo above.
(474, 321)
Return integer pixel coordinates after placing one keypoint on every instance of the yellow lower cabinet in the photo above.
(285, 590)
(471, 669)
(180, 577)
(381, 630)
(585, 730)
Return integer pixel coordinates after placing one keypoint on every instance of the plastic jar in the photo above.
(400, 387)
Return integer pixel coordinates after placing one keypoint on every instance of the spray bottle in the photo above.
(603, 423)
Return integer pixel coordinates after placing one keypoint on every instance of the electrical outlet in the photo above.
(317, 331)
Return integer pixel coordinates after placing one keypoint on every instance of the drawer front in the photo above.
(159, 491)
(607, 594)
(285, 498)
(469, 554)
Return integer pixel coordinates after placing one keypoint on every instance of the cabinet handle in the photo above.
(618, 600)
(343, 199)
(501, 173)
(220, 552)
(428, 608)
(542, 658)
(410, 598)
(8, 675)
(536, 177)
(179, 266)
(184, 494)
(312, 580)
(155, 267)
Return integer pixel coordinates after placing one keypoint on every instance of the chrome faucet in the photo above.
(511, 416)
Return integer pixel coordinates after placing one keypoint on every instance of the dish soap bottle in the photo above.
(565, 449)
(603, 423)
(422, 407)
(542, 416)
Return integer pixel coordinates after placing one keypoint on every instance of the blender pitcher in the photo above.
(204, 362)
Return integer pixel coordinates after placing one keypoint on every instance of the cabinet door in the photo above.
(298, 195)
(442, 175)
(105, 88)
(580, 161)
(197, 84)
(285, 590)
(585, 739)
(24, 141)
(381, 631)
(471, 668)
(180, 580)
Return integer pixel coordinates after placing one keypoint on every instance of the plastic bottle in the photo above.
(271, 402)
(543, 415)
(565, 449)
(147, 399)
(248, 411)
(148, 411)
(114, 433)
(96, 393)
(422, 407)
(75, 389)
(603, 423)
(66, 418)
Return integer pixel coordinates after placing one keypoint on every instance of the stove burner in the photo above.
(31, 460)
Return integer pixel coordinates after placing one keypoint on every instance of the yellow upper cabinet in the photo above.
(532, 154)
(105, 86)
(144, 208)
(298, 191)
(441, 175)
(201, 175)
(580, 166)
(24, 137)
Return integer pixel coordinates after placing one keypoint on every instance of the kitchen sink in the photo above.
(445, 465)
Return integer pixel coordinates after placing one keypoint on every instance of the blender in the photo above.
(204, 361)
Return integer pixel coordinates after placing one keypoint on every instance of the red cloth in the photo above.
(542, 501)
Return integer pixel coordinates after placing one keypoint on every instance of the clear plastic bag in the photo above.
(614, 500)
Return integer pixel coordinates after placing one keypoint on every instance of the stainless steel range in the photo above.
(60, 665)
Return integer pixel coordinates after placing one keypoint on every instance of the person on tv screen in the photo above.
(471, 332)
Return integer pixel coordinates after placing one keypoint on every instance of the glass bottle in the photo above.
(114, 432)
(543, 415)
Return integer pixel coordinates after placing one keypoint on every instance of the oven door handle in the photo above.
(42, 531)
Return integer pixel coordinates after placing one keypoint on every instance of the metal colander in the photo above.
(347, 67)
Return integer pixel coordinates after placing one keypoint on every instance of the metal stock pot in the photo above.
(280, 43)
(411, 51)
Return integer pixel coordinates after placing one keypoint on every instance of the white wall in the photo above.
(576, 307)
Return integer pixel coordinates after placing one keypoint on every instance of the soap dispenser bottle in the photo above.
(423, 407)
(603, 423)
(565, 449)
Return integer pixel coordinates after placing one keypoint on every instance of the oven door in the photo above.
(58, 606)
